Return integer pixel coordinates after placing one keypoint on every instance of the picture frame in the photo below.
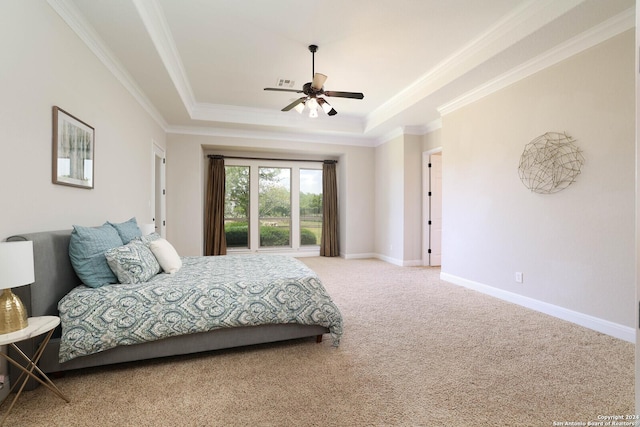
(73, 157)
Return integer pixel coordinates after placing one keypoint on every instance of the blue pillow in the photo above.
(86, 251)
(127, 230)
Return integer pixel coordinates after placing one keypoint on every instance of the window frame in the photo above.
(254, 216)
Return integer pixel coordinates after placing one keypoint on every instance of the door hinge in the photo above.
(164, 192)
(429, 165)
(429, 194)
(429, 222)
(164, 161)
(429, 251)
(164, 222)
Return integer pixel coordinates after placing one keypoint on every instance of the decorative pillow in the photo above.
(146, 240)
(127, 230)
(86, 251)
(166, 255)
(132, 263)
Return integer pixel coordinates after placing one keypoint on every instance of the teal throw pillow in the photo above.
(86, 251)
(127, 230)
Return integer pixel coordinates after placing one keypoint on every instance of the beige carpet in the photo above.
(416, 352)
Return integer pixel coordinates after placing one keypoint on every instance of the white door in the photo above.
(435, 209)
(158, 204)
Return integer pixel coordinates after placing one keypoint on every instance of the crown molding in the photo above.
(158, 29)
(316, 138)
(433, 126)
(612, 27)
(521, 22)
(70, 14)
(263, 117)
(409, 130)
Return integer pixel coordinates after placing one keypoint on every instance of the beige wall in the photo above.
(575, 247)
(389, 200)
(412, 200)
(432, 140)
(45, 64)
(186, 168)
(398, 200)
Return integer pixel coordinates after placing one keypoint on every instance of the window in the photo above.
(236, 206)
(272, 204)
(310, 206)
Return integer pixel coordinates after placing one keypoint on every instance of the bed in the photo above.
(240, 313)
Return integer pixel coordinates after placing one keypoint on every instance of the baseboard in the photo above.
(390, 260)
(358, 256)
(399, 262)
(604, 326)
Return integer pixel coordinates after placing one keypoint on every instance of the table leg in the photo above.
(28, 373)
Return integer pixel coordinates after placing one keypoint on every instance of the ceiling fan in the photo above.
(314, 91)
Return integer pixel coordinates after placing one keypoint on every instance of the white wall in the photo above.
(575, 247)
(45, 64)
(186, 170)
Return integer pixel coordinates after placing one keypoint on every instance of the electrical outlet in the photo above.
(519, 276)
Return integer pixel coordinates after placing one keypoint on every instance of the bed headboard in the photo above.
(54, 274)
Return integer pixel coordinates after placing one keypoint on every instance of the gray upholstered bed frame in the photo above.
(55, 277)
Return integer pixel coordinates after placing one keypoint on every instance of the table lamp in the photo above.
(16, 269)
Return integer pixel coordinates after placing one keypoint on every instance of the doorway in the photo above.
(432, 207)
(158, 191)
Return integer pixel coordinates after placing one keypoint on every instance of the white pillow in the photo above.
(166, 255)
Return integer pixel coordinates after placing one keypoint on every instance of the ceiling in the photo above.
(200, 66)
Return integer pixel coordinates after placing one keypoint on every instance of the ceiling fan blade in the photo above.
(294, 103)
(283, 90)
(318, 81)
(353, 95)
(326, 107)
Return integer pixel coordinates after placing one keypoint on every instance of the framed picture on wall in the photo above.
(73, 150)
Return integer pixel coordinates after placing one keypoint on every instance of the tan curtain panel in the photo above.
(329, 241)
(215, 241)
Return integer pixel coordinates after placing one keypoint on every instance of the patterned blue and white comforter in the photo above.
(206, 293)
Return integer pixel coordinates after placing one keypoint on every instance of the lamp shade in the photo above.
(16, 264)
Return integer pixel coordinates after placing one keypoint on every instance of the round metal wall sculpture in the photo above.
(550, 163)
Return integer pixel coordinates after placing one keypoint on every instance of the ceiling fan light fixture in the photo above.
(326, 107)
(312, 103)
(314, 92)
(318, 81)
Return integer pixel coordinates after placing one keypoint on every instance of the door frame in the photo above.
(426, 185)
(159, 218)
